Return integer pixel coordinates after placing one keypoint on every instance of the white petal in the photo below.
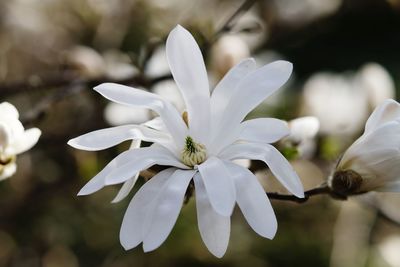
(98, 182)
(263, 130)
(139, 98)
(390, 187)
(387, 111)
(133, 228)
(156, 124)
(252, 90)
(128, 185)
(25, 141)
(227, 87)
(8, 171)
(277, 163)
(187, 67)
(125, 189)
(167, 206)
(8, 110)
(219, 185)
(143, 158)
(214, 228)
(253, 201)
(105, 138)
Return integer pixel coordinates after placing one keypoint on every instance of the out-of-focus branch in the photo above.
(230, 22)
(67, 78)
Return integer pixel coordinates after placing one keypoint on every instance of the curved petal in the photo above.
(25, 141)
(105, 138)
(128, 185)
(252, 90)
(98, 181)
(8, 171)
(8, 110)
(132, 155)
(219, 185)
(227, 87)
(156, 124)
(253, 201)
(214, 228)
(133, 226)
(263, 130)
(167, 206)
(188, 69)
(143, 158)
(387, 111)
(139, 98)
(125, 189)
(277, 163)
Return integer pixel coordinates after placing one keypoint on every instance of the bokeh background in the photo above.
(52, 52)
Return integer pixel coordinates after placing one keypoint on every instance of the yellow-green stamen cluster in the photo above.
(193, 153)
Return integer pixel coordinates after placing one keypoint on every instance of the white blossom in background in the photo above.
(377, 82)
(14, 139)
(340, 107)
(389, 250)
(371, 163)
(228, 51)
(200, 148)
(302, 135)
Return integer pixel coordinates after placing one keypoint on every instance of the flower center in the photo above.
(4, 161)
(193, 153)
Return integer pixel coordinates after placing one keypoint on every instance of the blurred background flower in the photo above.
(53, 52)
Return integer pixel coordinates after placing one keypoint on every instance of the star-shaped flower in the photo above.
(198, 146)
(14, 139)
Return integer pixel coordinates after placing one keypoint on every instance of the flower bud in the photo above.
(371, 163)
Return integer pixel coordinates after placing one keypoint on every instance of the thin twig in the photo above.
(322, 190)
(228, 25)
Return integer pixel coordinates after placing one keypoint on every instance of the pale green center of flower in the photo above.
(4, 161)
(193, 153)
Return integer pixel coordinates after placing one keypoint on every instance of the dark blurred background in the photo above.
(52, 52)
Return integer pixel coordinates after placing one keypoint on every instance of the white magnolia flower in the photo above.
(14, 139)
(372, 161)
(302, 135)
(199, 148)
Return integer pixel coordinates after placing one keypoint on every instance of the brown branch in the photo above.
(322, 190)
(229, 23)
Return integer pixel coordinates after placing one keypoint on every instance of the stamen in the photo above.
(193, 153)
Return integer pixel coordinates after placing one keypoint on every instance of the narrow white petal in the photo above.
(25, 141)
(128, 185)
(214, 228)
(125, 189)
(99, 181)
(105, 138)
(139, 98)
(156, 124)
(227, 87)
(387, 111)
(253, 201)
(166, 209)
(8, 171)
(187, 67)
(390, 187)
(263, 130)
(143, 159)
(133, 228)
(252, 90)
(277, 163)
(219, 185)
(8, 110)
